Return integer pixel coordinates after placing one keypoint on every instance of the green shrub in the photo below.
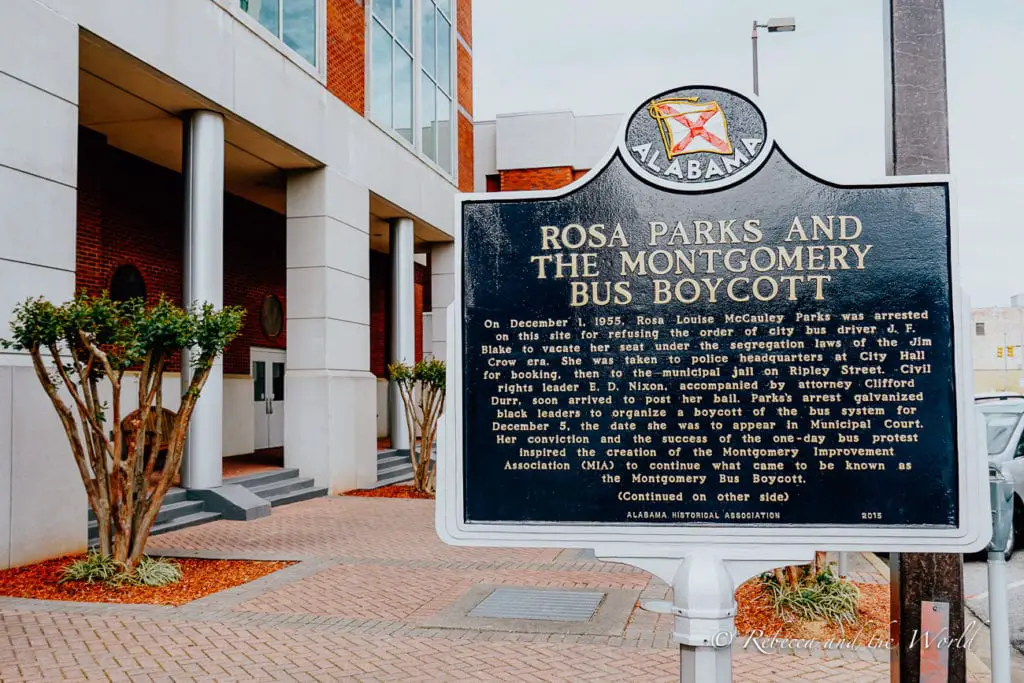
(151, 571)
(95, 567)
(98, 567)
(822, 596)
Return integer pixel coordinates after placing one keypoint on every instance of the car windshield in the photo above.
(998, 430)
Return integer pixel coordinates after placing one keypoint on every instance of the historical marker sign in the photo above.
(702, 342)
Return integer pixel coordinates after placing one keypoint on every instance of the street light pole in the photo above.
(774, 25)
(753, 42)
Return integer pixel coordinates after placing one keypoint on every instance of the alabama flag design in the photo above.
(689, 126)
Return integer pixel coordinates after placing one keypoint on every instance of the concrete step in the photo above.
(251, 481)
(174, 495)
(295, 496)
(168, 513)
(185, 522)
(182, 509)
(400, 478)
(275, 488)
(384, 463)
(394, 470)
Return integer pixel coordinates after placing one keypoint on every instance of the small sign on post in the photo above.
(703, 360)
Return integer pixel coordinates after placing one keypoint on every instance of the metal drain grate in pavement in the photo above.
(519, 603)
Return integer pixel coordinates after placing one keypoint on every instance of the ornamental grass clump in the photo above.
(422, 388)
(819, 595)
(99, 568)
(81, 351)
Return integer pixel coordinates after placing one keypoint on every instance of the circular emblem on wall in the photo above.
(127, 283)
(271, 316)
(696, 138)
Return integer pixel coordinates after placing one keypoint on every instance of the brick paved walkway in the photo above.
(367, 602)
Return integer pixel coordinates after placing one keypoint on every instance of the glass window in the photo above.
(436, 103)
(259, 380)
(381, 74)
(429, 39)
(299, 27)
(403, 22)
(267, 12)
(444, 132)
(444, 54)
(391, 65)
(403, 93)
(428, 120)
(277, 381)
(292, 21)
(999, 427)
(382, 12)
(979, 329)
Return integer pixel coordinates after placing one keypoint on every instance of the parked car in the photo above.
(996, 396)
(1004, 436)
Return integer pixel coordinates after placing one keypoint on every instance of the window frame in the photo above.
(416, 146)
(411, 52)
(318, 70)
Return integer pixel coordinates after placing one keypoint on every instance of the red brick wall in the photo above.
(465, 79)
(464, 60)
(380, 318)
(464, 20)
(536, 178)
(346, 52)
(129, 212)
(466, 175)
(254, 267)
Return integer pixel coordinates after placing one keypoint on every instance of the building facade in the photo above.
(540, 150)
(997, 344)
(298, 158)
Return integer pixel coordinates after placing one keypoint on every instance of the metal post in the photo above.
(1001, 496)
(753, 42)
(705, 608)
(917, 142)
(999, 616)
(403, 321)
(203, 282)
(843, 565)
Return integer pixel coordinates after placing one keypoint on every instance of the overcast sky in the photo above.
(822, 85)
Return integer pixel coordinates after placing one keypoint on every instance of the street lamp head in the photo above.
(781, 24)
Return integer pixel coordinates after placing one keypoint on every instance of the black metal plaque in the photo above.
(704, 333)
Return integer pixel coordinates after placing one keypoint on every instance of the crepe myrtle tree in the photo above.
(91, 340)
(422, 388)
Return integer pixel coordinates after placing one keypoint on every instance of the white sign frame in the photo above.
(728, 541)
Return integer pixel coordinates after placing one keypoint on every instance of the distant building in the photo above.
(997, 342)
(539, 150)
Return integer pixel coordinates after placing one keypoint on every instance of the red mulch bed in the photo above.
(756, 616)
(392, 491)
(200, 578)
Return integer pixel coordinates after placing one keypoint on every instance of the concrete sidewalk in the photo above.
(376, 596)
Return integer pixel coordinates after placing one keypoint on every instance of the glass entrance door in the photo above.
(268, 397)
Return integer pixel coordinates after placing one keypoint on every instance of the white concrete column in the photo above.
(330, 429)
(442, 294)
(403, 322)
(203, 169)
(42, 499)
